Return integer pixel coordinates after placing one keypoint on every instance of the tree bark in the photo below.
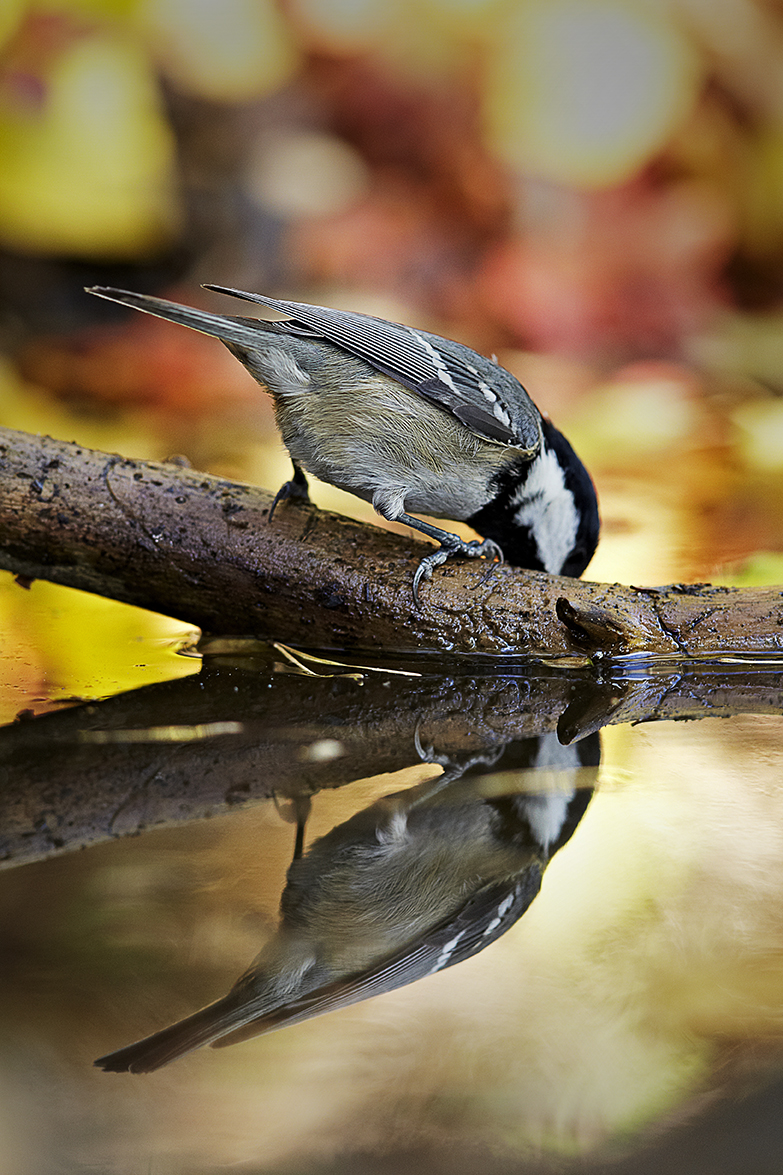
(202, 549)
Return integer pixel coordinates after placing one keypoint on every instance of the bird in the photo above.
(418, 881)
(409, 421)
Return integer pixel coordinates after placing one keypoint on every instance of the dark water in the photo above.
(563, 894)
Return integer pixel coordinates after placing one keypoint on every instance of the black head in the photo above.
(544, 514)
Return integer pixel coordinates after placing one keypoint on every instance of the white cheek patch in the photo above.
(552, 754)
(547, 813)
(548, 510)
(546, 816)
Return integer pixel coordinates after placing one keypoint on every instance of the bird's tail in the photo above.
(160, 1048)
(242, 331)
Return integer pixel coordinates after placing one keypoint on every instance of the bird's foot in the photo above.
(295, 488)
(475, 549)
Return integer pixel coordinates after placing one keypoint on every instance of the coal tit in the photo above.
(410, 421)
(419, 881)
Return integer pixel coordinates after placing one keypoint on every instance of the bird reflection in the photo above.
(420, 880)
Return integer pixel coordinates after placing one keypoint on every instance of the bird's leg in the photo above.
(301, 825)
(450, 544)
(294, 810)
(295, 488)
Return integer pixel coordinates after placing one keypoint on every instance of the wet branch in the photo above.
(201, 549)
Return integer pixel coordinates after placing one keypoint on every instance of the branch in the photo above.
(241, 731)
(201, 549)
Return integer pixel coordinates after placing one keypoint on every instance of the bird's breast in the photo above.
(380, 440)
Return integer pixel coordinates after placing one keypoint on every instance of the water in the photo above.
(631, 1015)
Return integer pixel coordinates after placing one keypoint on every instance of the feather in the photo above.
(481, 395)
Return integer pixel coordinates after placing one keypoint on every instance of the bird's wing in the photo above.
(484, 918)
(484, 397)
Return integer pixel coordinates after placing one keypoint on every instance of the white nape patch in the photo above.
(438, 360)
(547, 508)
(447, 952)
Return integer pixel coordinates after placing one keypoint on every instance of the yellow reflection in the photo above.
(763, 567)
(585, 91)
(68, 644)
(642, 416)
(162, 734)
(32, 409)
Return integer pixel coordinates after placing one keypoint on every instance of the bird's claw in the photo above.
(474, 549)
(426, 754)
(493, 550)
(425, 568)
(295, 488)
